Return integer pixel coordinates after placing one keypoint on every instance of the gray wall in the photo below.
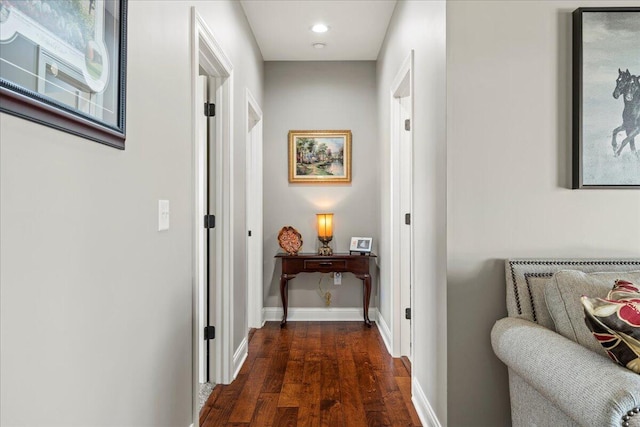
(420, 25)
(96, 304)
(509, 139)
(313, 96)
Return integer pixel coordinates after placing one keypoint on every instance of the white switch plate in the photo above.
(163, 215)
(337, 278)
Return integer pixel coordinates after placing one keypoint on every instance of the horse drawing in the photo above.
(627, 85)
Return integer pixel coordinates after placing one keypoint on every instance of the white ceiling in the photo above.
(283, 28)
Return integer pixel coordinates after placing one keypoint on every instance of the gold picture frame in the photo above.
(320, 156)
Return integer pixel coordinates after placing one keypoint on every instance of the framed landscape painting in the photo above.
(606, 98)
(63, 65)
(320, 156)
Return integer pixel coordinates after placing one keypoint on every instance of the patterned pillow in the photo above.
(615, 323)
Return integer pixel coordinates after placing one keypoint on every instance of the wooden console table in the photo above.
(337, 263)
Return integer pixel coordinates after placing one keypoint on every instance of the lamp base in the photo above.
(325, 249)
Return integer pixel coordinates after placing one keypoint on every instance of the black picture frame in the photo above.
(595, 110)
(65, 67)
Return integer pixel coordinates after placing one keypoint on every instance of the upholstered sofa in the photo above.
(557, 380)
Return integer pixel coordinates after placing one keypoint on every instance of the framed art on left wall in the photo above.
(63, 65)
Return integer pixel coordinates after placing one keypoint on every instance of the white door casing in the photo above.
(406, 234)
(200, 234)
(401, 158)
(206, 54)
(255, 289)
(211, 234)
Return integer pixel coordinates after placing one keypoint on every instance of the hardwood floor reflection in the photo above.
(315, 374)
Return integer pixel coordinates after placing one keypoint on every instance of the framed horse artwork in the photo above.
(63, 65)
(606, 97)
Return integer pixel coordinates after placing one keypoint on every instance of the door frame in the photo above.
(254, 192)
(402, 83)
(207, 53)
(200, 251)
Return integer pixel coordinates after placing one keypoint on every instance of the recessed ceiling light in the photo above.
(319, 28)
(319, 45)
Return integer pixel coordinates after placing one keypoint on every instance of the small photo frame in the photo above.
(360, 244)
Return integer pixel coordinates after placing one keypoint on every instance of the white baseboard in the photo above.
(385, 332)
(425, 412)
(322, 314)
(240, 356)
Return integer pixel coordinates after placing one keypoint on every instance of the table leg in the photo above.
(366, 291)
(284, 290)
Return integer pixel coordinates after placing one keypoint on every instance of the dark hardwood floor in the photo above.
(333, 374)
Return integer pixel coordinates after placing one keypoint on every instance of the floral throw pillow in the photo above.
(615, 323)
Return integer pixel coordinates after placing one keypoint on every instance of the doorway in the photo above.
(206, 233)
(255, 294)
(212, 79)
(402, 206)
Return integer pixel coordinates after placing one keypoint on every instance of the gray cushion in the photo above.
(536, 286)
(562, 295)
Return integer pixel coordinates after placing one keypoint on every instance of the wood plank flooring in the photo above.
(315, 374)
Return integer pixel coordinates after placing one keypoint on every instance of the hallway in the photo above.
(315, 374)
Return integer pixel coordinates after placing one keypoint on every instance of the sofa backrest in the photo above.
(526, 279)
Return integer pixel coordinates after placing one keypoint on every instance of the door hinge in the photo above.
(209, 109)
(249, 233)
(407, 218)
(209, 333)
(407, 313)
(407, 124)
(209, 221)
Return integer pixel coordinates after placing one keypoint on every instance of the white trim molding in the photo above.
(425, 412)
(384, 330)
(206, 53)
(321, 314)
(401, 87)
(254, 215)
(240, 356)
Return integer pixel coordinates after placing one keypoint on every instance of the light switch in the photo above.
(337, 278)
(163, 215)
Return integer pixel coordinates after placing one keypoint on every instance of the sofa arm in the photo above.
(588, 387)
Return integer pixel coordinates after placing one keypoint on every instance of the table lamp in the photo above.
(325, 232)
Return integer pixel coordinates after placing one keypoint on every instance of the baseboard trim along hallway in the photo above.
(239, 357)
(318, 314)
(385, 332)
(425, 411)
